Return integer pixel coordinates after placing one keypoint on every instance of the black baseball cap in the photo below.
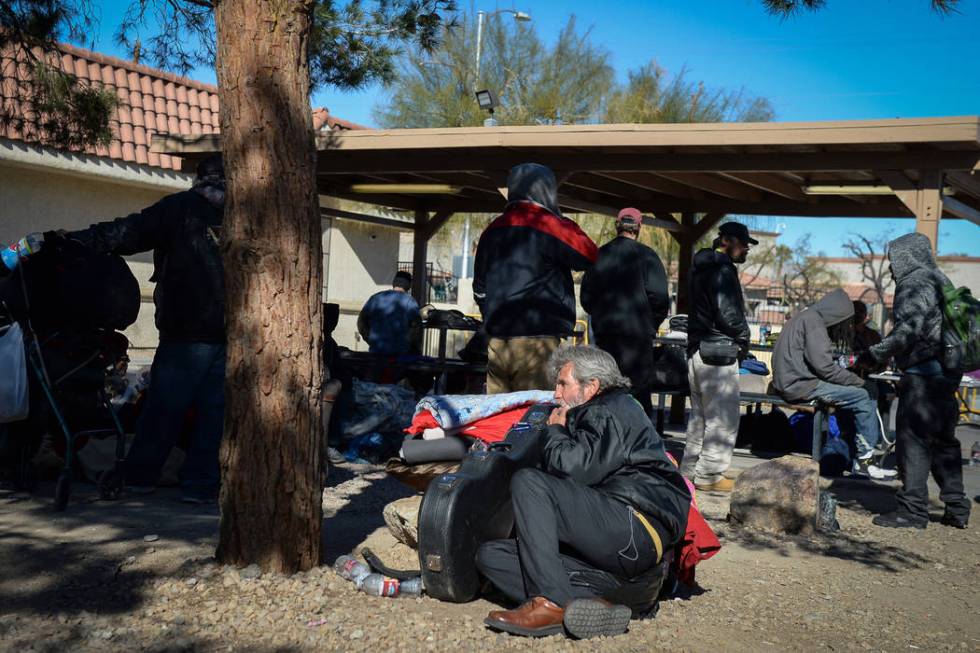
(737, 230)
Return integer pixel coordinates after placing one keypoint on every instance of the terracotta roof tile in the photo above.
(150, 101)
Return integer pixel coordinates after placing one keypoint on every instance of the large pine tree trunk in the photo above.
(270, 457)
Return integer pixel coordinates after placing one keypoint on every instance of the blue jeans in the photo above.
(860, 405)
(184, 376)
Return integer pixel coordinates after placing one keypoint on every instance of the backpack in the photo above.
(961, 329)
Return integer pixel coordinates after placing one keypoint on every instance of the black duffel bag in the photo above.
(669, 368)
(67, 285)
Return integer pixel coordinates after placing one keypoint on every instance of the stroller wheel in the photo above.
(110, 485)
(62, 490)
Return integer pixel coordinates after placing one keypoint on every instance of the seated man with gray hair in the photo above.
(605, 501)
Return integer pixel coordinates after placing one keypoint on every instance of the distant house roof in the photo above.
(151, 101)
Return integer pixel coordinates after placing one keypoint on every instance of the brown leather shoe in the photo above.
(539, 617)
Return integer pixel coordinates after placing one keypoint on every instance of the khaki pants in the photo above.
(713, 425)
(519, 363)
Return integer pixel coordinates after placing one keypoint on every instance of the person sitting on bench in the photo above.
(606, 490)
(805, 368)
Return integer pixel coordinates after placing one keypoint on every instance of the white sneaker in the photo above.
(865, 468)
(881, 474)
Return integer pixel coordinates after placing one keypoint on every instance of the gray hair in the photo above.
(589, 363)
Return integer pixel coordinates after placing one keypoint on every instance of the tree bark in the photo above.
(270, 457)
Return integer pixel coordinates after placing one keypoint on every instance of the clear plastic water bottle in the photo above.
(350, 568)
(411, 587)
(13, 253)
(378, 585)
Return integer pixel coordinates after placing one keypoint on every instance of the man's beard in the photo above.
(578, 400)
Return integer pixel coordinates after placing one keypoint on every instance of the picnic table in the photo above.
(819, 411)
(366, 364)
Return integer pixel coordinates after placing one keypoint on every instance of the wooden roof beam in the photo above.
(714, 184)
(434, 223)
(955, 207)
(769, 183)
(371, 219)
(343, 161)
(965, 182)
(651, 183)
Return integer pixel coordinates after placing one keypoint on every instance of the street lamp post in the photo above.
(481, 17)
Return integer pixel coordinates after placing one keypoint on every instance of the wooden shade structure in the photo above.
(926, 168)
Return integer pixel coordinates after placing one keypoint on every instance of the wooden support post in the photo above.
(686, 239)
(924, 199)
(420, 251)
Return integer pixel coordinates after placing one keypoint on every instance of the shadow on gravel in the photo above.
(876, 555)
(358, 513)
(851, 493)
(78, 560)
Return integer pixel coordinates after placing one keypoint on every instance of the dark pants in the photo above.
(184, 376)
(565, 532)
(634, 356)
(926, 441)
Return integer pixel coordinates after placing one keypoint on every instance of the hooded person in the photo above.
(805, 368)
(523, 280)
(184, 232)
(928, 410)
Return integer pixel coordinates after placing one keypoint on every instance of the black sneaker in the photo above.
(899, 519)
(588, 618)
(953, 521)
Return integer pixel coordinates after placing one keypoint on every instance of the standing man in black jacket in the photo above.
(522, 280)
(606, 502)
(625, 293)
(717, 338)
(188, 372)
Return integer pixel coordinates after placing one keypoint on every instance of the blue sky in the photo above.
(851, 60)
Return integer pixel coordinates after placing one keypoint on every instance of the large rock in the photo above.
(779, 496)
(402, 518)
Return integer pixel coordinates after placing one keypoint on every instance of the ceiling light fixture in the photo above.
(404, 189)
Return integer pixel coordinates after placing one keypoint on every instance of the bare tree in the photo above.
(874, 264)
(806, 277)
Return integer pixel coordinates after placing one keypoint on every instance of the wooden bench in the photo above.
(819, 411)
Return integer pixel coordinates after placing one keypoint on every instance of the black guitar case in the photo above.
(461, 511)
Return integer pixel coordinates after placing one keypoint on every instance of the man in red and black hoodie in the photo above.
(523, 280)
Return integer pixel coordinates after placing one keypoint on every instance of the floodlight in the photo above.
(486, 99)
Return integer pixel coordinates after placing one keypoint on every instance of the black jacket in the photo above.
(609, 444)
(625, 292)
(522, 278)
(717, 309)
(183, 230)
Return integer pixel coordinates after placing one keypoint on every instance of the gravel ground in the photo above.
(137, 576)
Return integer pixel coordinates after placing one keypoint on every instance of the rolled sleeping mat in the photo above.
(428, 451)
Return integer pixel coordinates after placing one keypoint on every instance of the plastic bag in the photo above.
(13, 379)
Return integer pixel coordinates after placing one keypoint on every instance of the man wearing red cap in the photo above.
(625, 293)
